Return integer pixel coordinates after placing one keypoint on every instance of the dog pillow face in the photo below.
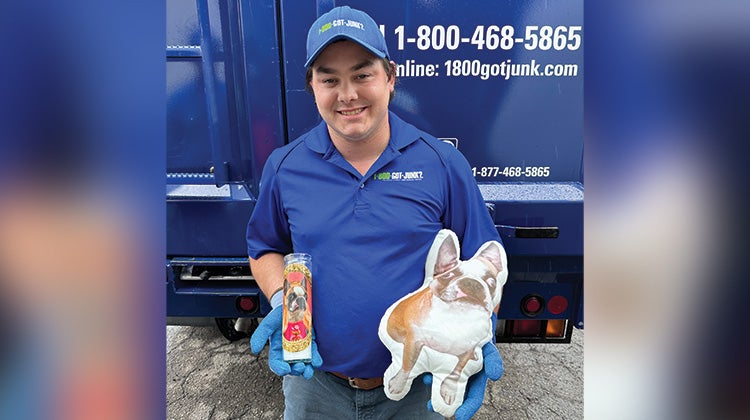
(441, 327)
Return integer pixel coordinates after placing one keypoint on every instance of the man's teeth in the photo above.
(355, 112)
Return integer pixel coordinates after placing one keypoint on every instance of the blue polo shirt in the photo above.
(368, 235)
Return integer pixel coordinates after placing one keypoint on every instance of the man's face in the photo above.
(352, 91)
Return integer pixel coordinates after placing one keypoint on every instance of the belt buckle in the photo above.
(352, 383)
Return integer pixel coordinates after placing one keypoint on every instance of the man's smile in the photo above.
(351, 112)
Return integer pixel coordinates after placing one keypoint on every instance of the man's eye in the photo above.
(363, 76)
(329, 81)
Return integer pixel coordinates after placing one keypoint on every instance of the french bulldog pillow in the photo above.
(441, 327)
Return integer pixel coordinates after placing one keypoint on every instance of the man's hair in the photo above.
(390, 70)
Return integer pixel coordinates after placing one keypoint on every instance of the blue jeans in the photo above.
(325, 396)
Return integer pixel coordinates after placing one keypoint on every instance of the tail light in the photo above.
(542, 319)
(535, 331)
(248, 304)
(532, 305)
(557, 305)
(526, 328)
(555, 328)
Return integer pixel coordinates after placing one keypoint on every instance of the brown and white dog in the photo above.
(296, 320)
(296, 303)
(441, 327)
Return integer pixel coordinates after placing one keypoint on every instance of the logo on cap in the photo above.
(342, 22)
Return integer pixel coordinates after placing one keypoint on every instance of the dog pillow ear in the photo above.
(494, 254)
(443, 254)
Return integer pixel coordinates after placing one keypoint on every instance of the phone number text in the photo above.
(492, 37)
(510, 171)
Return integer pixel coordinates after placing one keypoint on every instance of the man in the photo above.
(340, 193)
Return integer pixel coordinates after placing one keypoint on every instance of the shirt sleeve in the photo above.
(466, 213)
(268, 228)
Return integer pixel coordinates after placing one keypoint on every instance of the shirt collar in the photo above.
(402, 135)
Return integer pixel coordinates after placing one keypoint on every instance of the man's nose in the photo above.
(347, 92)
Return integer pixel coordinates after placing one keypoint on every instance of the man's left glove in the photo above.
(477, 384)
(270, 330)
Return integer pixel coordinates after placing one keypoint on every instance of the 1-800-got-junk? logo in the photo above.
(398, 176)
(342, 22)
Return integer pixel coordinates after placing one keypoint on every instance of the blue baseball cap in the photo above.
(344, 23)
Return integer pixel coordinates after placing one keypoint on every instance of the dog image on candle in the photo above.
(441, 327)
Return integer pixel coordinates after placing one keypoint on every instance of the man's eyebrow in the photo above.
(326, 70)
(362, 65)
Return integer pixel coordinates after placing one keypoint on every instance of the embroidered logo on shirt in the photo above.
(398, 176)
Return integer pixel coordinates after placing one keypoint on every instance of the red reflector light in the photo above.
(557, 305)
(532, 305)
(247, 303)
(526, 328)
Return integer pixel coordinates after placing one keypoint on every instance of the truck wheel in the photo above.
(226, 326)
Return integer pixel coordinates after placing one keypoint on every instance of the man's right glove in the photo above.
(270, 330)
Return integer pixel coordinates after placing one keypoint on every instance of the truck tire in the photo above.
(226, 327)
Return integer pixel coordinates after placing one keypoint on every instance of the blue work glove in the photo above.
(477, 384)
(270, 330)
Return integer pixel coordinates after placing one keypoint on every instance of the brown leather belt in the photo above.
(360, 383)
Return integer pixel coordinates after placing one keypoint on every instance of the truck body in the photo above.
(501, 81)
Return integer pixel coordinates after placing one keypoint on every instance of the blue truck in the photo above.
(501, 81)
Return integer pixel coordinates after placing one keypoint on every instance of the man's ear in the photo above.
(447, 256)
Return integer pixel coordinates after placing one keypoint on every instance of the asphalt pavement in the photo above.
(209, 377)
